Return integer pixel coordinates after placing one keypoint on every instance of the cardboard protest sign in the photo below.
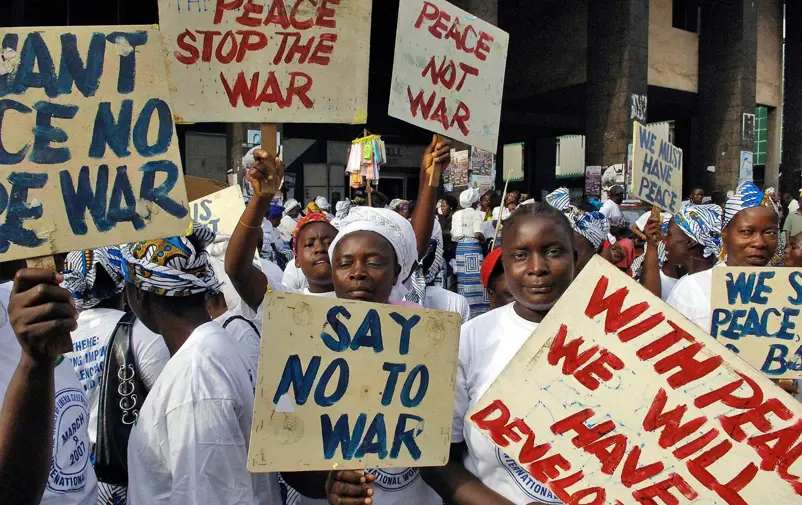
(198, 187)
(755, 313)
(353, 385)
(448, 72)
(268, 60)
(88, 152)
(219, 211)
(656, 170)
(626, 401)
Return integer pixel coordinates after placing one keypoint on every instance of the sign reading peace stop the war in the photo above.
(268, 60)
(219, 211)
(628, 402)
(353, 385)
(755, 312)
(88, 152)
(656, 169)
(448, 72)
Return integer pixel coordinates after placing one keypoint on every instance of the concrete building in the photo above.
(713, 69)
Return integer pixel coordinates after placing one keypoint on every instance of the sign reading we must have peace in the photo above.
(292, 61)
(88, 152)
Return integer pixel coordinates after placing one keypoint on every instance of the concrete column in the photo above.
(792, 102)
(617, 68)
(773, 147)
(727, 74)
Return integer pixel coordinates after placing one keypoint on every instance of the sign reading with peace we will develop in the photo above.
(448, 72)
(755, 313)
(656, 169)
(353, 385)
(299, 61)
(88, 152)
(626, 401)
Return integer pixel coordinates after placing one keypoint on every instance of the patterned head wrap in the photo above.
(176, 266)
(290, 204)
(594, 226)
(399, 205)
(309, 218)
(702, 223)
(80, 274)
(560, 199)
(746, 196)
(312, 208)
(342, 208)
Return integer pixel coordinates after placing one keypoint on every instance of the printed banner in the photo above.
(656, 170)
(626, 401)
(220, 211)
(353, 385)
(88, 152)
(593, 183)
(448, 72)
(755, 313)
(263, 61)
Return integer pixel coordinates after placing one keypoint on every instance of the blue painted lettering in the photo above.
(340, 435)
(131, 40)
(369, 333)
(343, 339)
(342, 383)
(795, 279)
(44, 133)
(406, 330)
(108, 131)
(7, 158)
(300, 381)
(72, 69)
(161, 195)
(375, 441)
(408, 401)
(751, 288)
(77, 202)
(18, 210)
(142, 126)
(392, 380)
(406, 437)
(122, 191)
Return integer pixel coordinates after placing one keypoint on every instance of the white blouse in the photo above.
(466, 223)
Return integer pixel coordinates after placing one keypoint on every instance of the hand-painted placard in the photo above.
(656, 169)
(626, 401)
(755, 313)
(88, 152)
(304, 61)
(219, 211)
(448, 72)
(353, 385)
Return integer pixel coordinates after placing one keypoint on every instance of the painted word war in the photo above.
(646, 410)
(756, 311)
(361, 387)
(78, 119)
(445, 70)
(658, 170)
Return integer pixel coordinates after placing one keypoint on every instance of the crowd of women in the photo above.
(153, 403)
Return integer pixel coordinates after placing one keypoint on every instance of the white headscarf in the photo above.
(290, 204)
(390, 225)
(468, 197)
(322, 203)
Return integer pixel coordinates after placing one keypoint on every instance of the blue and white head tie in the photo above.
(702, 223)
(746, 196)
(81, 271)
(594, 226)
(176, 266)
(560, 199)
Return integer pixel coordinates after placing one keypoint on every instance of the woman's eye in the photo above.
(554, 252)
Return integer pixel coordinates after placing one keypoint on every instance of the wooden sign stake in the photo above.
(42, 262)
(501, 207)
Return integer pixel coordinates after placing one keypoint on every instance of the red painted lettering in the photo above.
(325, 14)
(221, 54)
(757, 417)
(440, 113)
(590, 375)
(615, 317)
(783, 440)
(464, 41)
(572, 359)
(689, 368)
(530, 452)
(598, 495)
(193, 53)
(673, 430)
(295, 22)
(278, 15)
(547, 469)
(321, 55)
(584, 434)
(241, 89)
(302, 50)
(695, 445)
(300, 84)
(454, 33)
(208, 41)
(661, 490)
(430, 12)
(486, 420)
(440, 25)
(251, 41)
(417, 104)
(466, 71)
(638, 329)
(725, 396)
(609, 451)
(729, 491)
(223, 6)
(665, 342)
(631, 474)
(461, 116)
(785, 465)
(249, 8)
(483, 45)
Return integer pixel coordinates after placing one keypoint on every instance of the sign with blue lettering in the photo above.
(88, 152)
(656, 169)
(755, 313)
(353, 385)
(219, 211)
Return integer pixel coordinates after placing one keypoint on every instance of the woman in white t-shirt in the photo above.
(539, 260)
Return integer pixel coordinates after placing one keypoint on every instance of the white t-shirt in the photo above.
(294, 277)
(641, 222)
(90, 343)
(487, 344)
(190, 443)
(610, 209)
(466, 223)
(244, 334)
(691, 297)
(442, 299)
(72, 479)
(667, 285)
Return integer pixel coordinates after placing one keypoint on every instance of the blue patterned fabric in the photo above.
(560, 199)
(702, 223)
(80, 274)
(594, 226)
(469, 282)
(746, 196)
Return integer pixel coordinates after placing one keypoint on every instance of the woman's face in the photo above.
(793, 254)
(698, 196)
(294, 213)
(445, 208)
(584, 252)
(676, 242)
(538, 263)
(364, 267)
(313, 252)
(513, 197)
(484, 203)
(750, 239)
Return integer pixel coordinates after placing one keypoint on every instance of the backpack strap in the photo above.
(241, 318)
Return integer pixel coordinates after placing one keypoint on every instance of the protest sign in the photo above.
(198, 187)
(88, 152)
(268, 61)
(755, 313)
(352, 385)
(219, 211)
(656, 169)
(448, 72)
(627, 401)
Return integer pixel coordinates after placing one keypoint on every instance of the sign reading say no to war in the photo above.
(299, 61)
(88, 153)
(353, 385)
(616, 398)
(448, 72)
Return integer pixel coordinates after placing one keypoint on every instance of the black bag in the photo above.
(241, 318)
(122, 394)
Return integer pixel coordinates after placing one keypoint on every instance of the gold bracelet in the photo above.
(249, 226)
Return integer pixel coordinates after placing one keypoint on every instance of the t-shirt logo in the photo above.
(526, 482)
(394, 479)
(70, 464)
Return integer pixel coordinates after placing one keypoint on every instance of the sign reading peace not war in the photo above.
(756, 314)
(296, 61)
(219, 211)
(448, 72)
(656, 170)
(353, 385)
(88, 153)
(626, 401)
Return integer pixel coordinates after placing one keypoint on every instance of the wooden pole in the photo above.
(269, 144)
(42, 262)
(501, 208)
